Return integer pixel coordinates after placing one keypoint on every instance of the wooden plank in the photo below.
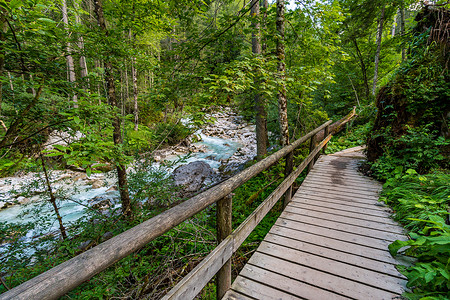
(350, 173)
(363, 223)
(347, 182)
(337, 199)
(233, 295)
(343, 182)
(366, 209)
(336, 244)
(342, 189)
(330, 282)
(258, 290)
(244, 230)
(335, 233)
(289, 285)
(224, 213)
(344, 257)
(344, 212)
(331, 266)
(343, 227)
(340, 194)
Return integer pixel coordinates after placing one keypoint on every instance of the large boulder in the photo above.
(192, 176)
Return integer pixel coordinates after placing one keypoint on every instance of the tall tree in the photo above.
(260, 110)
(69, 59)
(282, 101)
(112, 99)
(377, 54)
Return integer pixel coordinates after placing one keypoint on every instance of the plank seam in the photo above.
(340, 210)
(337, 250)
(326, 272)
(340, 222)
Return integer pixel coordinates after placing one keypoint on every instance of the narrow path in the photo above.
(331, 241)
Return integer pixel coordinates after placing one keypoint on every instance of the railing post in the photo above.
(224, 229)
(311, 148)
(326, 131)
(287, 171)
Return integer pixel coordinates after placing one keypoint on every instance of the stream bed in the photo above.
(227, 143)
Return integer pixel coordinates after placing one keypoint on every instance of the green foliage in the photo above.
(351, 137)
(420, 202)
(417, 149)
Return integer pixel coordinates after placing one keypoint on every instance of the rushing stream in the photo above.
(229, 140)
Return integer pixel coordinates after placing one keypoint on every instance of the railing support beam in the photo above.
(287, 171)
(312, 142)
(326, 131)
(224, 229)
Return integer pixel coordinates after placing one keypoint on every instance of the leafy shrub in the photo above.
(418, 149)
(420, 203)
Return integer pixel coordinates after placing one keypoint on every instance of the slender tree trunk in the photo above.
(69, 58)
(53, 199)
(265, 5)
(402, 29)
(282, 102)
(112, 99)
(83, 63)
(260, 110)
(363, 69)
(3, 28)
(377, 54)
(135, 93)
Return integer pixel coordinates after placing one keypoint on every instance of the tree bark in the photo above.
(264, 39)
(363, 69)
(377, 54)
(282, 102)
(260, 110)
(402, 29)
(83, 63)
(53, 199)
(135, 93)
(3, 28)
(112, 99)
(69, 59)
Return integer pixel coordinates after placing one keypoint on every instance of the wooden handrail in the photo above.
(63, 278)
(196, 280)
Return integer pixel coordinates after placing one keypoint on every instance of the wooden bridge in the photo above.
(330, 242)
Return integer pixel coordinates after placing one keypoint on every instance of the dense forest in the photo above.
(99, 93)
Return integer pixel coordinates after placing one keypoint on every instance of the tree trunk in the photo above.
(69, 59)
(377, 54)
(282, 102)
(3, 28)
(363, 69)
(135, 94)
(53, 199)
(402, 29)
(264, 39)
(260, 110)
(112, 99)
(83, 63)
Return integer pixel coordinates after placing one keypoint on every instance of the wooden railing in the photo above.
(61, 279)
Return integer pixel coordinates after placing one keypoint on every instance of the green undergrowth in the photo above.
(420, 203)
(154, 269)
(352, 136)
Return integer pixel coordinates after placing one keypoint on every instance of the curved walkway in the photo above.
(331, 241)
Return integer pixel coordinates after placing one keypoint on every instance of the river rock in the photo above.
(190, 177)
(103, 202)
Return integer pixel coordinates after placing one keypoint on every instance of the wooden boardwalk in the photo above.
(331, 241)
